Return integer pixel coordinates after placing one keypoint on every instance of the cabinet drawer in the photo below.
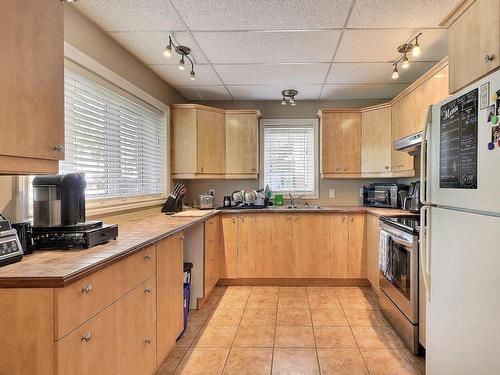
(81, 300)
(119, 340)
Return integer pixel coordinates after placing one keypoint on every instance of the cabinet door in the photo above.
(229, 247)
(32, 78)
(472, 37)
(331, 142)
(241, 143)
(372, 249)
(310, 245)
(357, 247)
(246, 246)
(183, 140)
(273, 245)
(211, 273)
(351, 142)
(170, 289)
(376, 138)
(401, 110)
(339, 245)
(211, 142)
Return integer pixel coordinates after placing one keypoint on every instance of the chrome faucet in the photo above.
(295, 201)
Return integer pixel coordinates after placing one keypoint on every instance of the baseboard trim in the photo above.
(292, 282)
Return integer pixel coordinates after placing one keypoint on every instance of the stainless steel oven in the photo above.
(399, 277)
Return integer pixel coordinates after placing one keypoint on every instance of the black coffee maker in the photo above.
(59, 200)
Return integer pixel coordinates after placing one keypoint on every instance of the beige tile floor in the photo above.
(290, 330)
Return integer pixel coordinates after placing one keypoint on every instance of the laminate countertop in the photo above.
(59, 268)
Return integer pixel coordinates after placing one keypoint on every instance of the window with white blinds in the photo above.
(119, 144)
(290, 160)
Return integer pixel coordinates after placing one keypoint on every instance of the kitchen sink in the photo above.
(301, 207)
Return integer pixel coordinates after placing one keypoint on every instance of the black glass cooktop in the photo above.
(409, 224)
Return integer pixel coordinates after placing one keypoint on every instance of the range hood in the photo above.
(410, 144)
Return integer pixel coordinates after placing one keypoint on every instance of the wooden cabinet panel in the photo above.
(118, 340)
(311, 245)
(183, 140)
(372, 249)
(376, 141)
(32, 79)
(170, 291)
(351, 142)
(472, 37)
(242, 131)
(81, 300)
(339, 245)
(331, 142)
(357, 247)
(229, 247)
(212, 232)
(246, 246)
(210, 140)
(273, 245)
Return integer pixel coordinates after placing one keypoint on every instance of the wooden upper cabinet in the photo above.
(242, 134)
(32, 86)
(473, 42)
(340, 142)
(198, 145)
(376, 140)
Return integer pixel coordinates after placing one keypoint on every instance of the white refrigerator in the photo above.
(460, 236)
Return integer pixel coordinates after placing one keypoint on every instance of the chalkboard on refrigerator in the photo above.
(458, 142)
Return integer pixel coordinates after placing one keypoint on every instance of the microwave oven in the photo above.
(387, 195)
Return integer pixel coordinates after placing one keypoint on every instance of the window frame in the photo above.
(287, 122)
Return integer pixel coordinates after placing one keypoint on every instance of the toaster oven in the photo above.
(388, 195)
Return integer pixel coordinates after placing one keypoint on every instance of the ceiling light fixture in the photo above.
(289, 97)
(404, 49)
(184, 52)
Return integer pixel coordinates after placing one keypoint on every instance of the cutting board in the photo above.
(193, 213)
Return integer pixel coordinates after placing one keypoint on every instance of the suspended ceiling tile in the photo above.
(375, 72)
(268, 47)
(272, 74)
(204, 92)
(381, 45)
(380, 91)
(262, 14)
(131, 15)
(149, 46)
(400, 13)
(205, 75)
(262, 92)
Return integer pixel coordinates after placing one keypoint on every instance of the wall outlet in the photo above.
(212, 192)
(331, 193)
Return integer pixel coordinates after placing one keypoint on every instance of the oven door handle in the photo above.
(402, 242)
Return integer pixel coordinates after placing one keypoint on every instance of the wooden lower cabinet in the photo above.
(170, 292)
(120, 340)
(372, 250)
(357, 247)
(212, 234)
(310, 245)
(339, 245)
(246, 246)
(273, 246)
(229, 247)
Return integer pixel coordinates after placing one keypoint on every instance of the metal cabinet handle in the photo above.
(210, 222)
(59, 148)
(147, 290)
(338, 169)
(242, 219)
(488, 58)
(345, 169)
(343, 218)
(181, 238)
(148, 340)
(352, 220)
(87, 289)
(386, 167)
(234, 220)
(147, 257)
(87, 337)
(211, 241)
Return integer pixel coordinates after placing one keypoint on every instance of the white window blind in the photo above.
(290, 160)
(118, 144)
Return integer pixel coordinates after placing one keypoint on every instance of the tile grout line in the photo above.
(275, 328)
(313, 331)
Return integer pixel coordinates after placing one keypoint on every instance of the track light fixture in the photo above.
(411, 46)
(289, 97)
(184, 52)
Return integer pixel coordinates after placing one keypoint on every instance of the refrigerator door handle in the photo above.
(423, 158)
(424, 249)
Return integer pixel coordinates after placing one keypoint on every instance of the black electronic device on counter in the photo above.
(83, 235)
(387, 195)
(11, 250)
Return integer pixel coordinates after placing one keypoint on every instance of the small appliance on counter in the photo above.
(11, 250)
(59, 215)
(173, 203)
(206, 202)
(412, 201)
(387, 195)
(249, 199)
